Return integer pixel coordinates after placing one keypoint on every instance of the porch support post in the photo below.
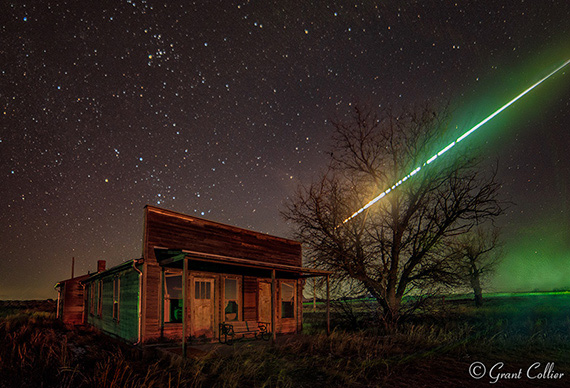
(273, 305)
(58, 315)
(162, 287)
(328, 308)
(84, 309)
(184, 305)
(314, 294)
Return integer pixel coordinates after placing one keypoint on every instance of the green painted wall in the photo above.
(126, 326)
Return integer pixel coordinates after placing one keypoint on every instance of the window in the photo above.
(99, 298)
(287, 300)
(92, 297)
(202, 290)
(231, 298)
(173, 296)
(116, 296)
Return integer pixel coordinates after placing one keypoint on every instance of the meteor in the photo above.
(453, 144)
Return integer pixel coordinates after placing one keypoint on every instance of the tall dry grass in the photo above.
(38, 351)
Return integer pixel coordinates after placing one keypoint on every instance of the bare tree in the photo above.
(476, 255)
(395, 247)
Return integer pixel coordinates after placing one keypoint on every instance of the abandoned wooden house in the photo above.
(194, 276)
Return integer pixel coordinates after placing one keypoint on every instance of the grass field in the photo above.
(432, 349)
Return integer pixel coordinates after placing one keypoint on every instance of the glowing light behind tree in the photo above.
(453, 143)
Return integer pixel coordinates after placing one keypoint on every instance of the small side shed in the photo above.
(70, 306)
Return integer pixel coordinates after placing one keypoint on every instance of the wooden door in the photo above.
(203, 307)
(264, 305)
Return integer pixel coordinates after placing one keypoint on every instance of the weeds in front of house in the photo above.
(37, 350)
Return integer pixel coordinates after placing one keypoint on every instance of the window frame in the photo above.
(238, 297)
(116, 297)
(293, 285)
(201, 291)
(100, 298)
(166, 297)
(92, 298)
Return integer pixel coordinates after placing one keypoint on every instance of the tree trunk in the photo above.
(477, 290)
(391, 311)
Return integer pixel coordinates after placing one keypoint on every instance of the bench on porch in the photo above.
(237, 330)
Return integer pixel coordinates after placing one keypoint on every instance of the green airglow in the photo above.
(454, 143)
(536, 255)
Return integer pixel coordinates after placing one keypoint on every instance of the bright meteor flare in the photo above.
(452, 144)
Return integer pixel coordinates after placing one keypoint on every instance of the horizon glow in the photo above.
(454, 143)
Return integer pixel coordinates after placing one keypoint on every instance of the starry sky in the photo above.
(221, 109)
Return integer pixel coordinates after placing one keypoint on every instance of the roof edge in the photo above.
(112, 270)
(191, 218)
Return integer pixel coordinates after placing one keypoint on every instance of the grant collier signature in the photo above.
(536, 371)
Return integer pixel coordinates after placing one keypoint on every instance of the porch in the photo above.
(200, 291)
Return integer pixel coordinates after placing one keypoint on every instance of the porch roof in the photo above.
(166, 256)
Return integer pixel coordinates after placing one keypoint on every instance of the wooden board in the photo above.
(264, 307)
(151, 302)
(173, 230)
(249, 298)
(71, 303)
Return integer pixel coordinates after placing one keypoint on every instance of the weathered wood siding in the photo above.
(72, 301)
(250, 291)
(167, 229)
(178, 231)
(253, 301)
(152, 299)
(126, 326)
(172, 331)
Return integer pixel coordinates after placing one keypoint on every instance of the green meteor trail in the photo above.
(453, 144)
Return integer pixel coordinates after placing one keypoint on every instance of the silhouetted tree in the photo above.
(476, 255)
(396, 246)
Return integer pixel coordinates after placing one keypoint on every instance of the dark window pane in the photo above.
(175, 310)
(287, 310)
(231, 289)
(116, 289)
(207, 284)
(287, 300)
(197, 290)
(174, 286)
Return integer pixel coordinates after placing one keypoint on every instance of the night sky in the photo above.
(220, 109)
